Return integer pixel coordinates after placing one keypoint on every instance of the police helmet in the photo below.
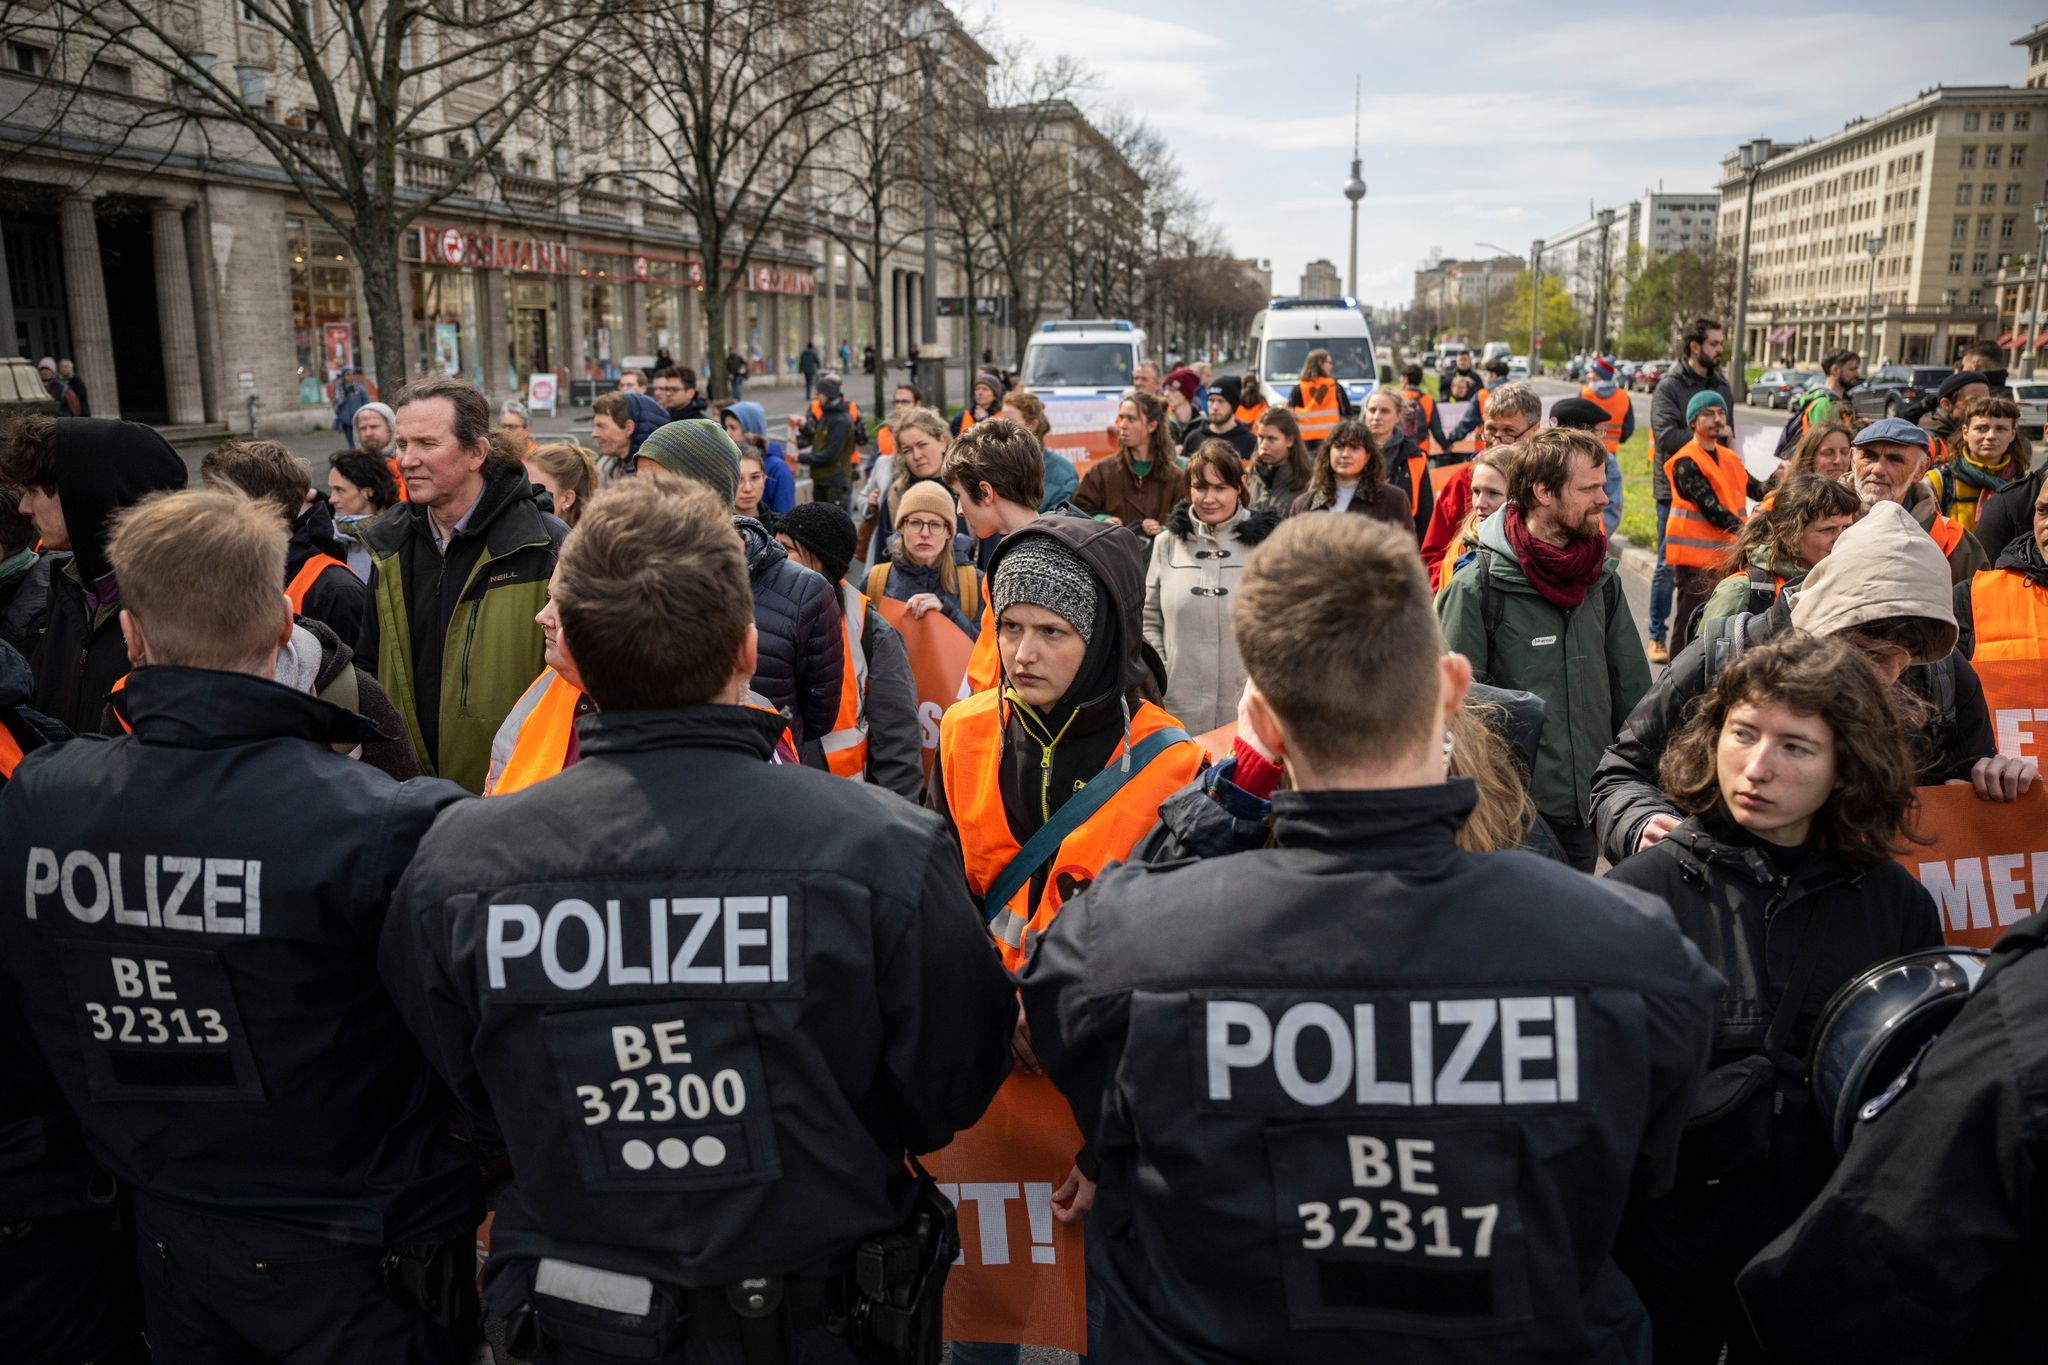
(1873, 1031)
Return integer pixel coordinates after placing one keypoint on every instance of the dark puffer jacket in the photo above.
(797, 615)
(337, 599)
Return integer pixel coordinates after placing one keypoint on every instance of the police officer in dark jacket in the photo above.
(1927, 1243)
(1363, 1096)
(75, 473)
(709, 1052)
(199, 977)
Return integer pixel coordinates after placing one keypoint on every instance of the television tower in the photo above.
(1354, 190)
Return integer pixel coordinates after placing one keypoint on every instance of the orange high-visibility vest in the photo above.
(1250, 416)
(399, 478)
(302, 581)
(10, 753)
(1690, 540)
(818, 409)
(985, 664)
(1318, 412)
(547, 720)
(1947, 534)
(1428, 406)
(2011, 616)
(1615, 405)
(970, 759)
(1418, 470)
(846, 745)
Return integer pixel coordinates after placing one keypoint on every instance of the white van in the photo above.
(1286, 330)
(1082, 356)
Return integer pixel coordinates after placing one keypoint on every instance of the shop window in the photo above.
(324, 325)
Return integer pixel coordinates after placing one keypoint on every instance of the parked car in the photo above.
(1894, 386)
(1778, 388)
(2032, 396)
(1650, 372)
(1575, 369)
(1625, 371)
(1429, 359)
(1518, 367)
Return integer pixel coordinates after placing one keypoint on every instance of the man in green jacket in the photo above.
(1541, 609)
(456, 577)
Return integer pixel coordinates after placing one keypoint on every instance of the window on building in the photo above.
(1977, 265)
(1976, 297)
(1961, 231)
(1988, 194)
(2021, 119)
(250, 14)
(2018, 157)
(1919, 160)
(1970, 123)
(111, 76)
(1991, 158)
(2012, 194)
(1969, 158)
(2006, 227)
(1955, 263)
(29, 59)
(1997, 123)
(1963, 193)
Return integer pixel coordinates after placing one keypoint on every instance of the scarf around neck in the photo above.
(1562, 573)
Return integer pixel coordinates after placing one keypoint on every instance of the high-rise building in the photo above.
(1909, 215)
(1319, 279)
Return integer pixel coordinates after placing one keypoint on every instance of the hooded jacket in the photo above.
(1089, 722)
(452, 637)
(337, 599)
(646, 415)
(2023, 557)
(2006, 515)
(1587, 664)
(797, 614)
(780, 494)
(313, 662)
(830, 442)
(25, 598)
(1881, 568)
(1190, 583)
(103, 465)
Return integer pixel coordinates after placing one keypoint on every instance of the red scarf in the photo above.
(1562, 573)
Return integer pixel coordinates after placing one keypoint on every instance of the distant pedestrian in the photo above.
(1541, 610)
(828, 444)
(515, 424)
(735, 374)
(68, 402)
(808, 364)
(1699, 371)
(349, 397)
(845, 355)
(1710, 494)
(71, 380)
(984, 401)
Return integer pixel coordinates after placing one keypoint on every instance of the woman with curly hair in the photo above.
(1348, 477)
(1779, 543)
(1797, 790)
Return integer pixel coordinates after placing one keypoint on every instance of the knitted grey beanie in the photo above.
(1042, 572)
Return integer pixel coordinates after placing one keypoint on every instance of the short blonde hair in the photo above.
(203, 571)
(653, 591)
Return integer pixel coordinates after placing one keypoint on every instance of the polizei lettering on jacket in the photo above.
(154, 891)
(576, 944)
(1485, 1051)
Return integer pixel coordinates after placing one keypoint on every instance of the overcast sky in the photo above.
(1489, 121)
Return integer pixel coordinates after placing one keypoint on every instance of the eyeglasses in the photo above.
(925, 526)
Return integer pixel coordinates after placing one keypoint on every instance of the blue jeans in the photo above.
(1660, 579)
(1610, 515)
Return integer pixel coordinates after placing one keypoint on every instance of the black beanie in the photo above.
(1581, 414)
(824, 530)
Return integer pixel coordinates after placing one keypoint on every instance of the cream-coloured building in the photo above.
(1911, 213)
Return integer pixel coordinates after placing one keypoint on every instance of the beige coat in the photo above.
(1189, 591)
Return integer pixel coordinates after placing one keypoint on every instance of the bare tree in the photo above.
(735, 100)
(345, 97)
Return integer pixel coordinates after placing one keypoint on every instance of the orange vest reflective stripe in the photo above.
(985, 664)
(1947, 533)
(1690, 540)
(1318, 412)
(970, 759)
(846, 746)
(2011, 617)
(10, 752)
(1249, 416)
(542, 749)
(398, 478)
(302, 581)
(1615, 405)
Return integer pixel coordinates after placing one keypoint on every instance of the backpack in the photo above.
(1795, 425)
(1493, 603)
(1728, 636)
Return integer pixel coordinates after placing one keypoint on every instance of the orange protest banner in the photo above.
(1440, 474)
(938, 652)
(1988, 866)
(2016, 695)
(1018, 1278)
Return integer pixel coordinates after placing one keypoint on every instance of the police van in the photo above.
(1286, 330)
(1073, 356)
(1080, 368)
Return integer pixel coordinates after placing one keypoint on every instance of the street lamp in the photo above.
(1535, 295)
(1159, 277)
(1486, 289)
(1606, 219)
(928, 26)
(1752, 158)
(1873, 244)
(2034, 298)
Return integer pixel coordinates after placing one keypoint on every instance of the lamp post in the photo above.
(1752, 157)
(928, 27)
(1535, 310)
(2034, 296)
(1606, 219)
(1159, 278)
(1873, 244)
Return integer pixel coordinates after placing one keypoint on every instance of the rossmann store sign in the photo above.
(455, 247)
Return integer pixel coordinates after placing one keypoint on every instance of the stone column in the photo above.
(7, 323)
(491, 343)
(85, 297)
(571, 349)
(205, 305)
(177, 329)
(633, 322)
